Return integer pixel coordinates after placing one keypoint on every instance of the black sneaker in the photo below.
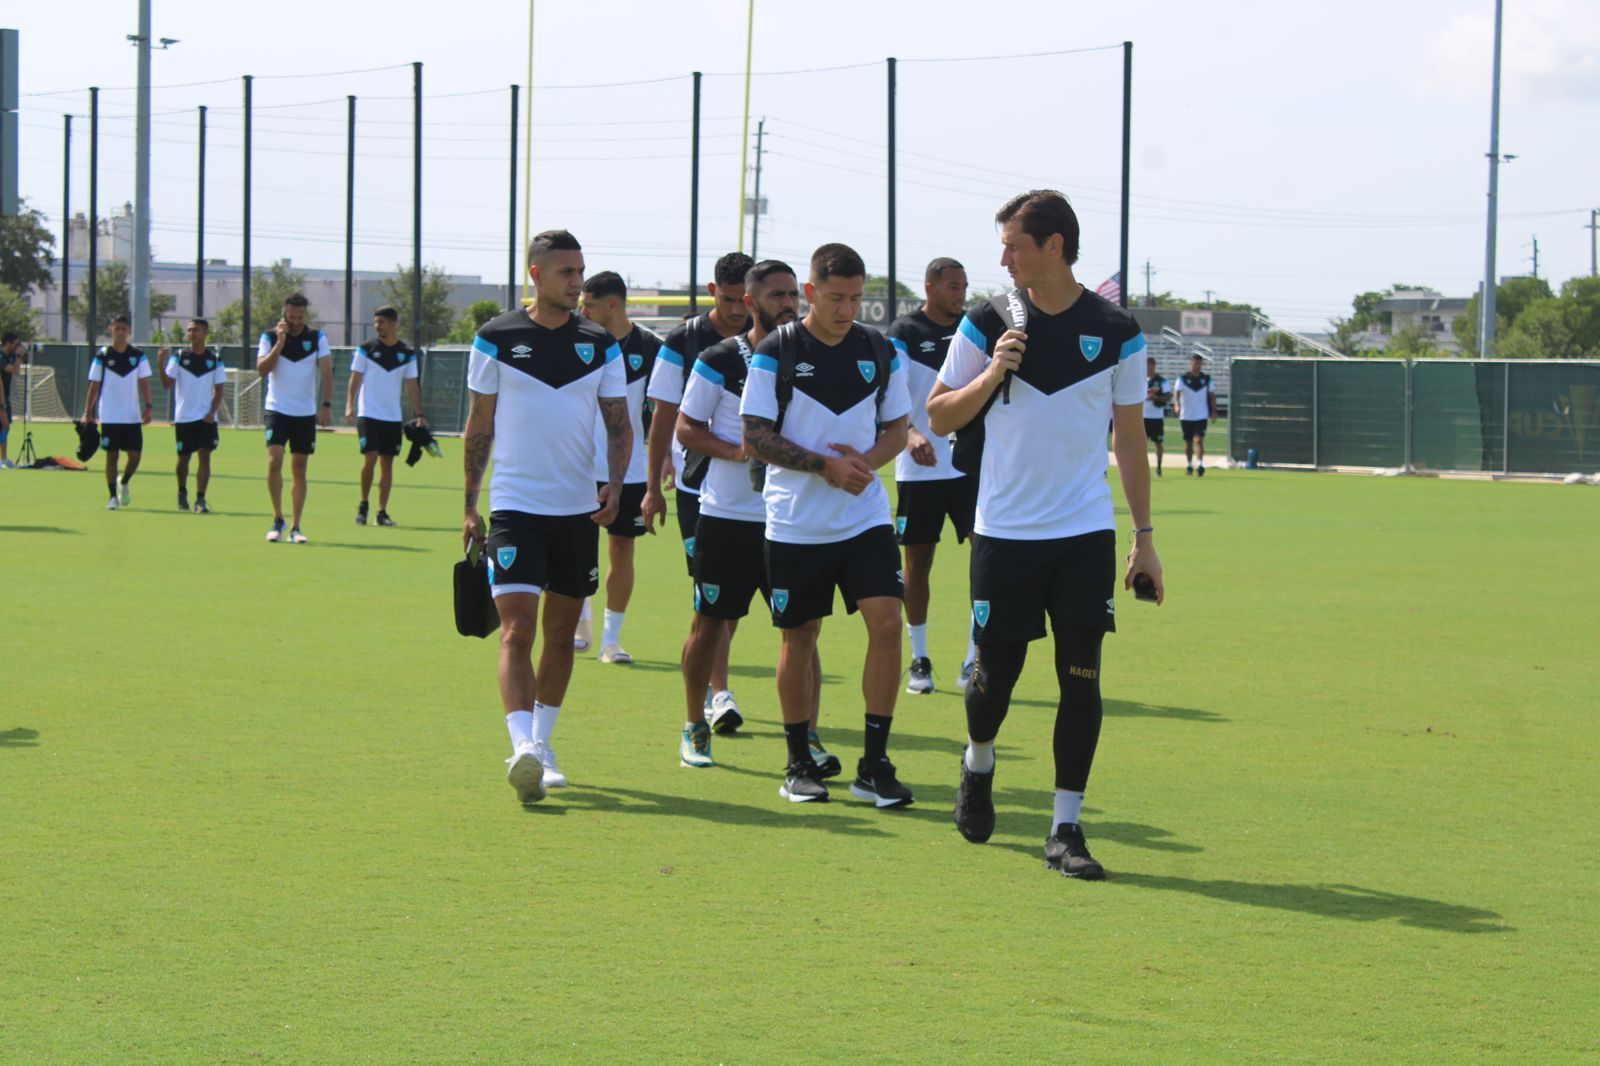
(876, 782)
(361, 514)
(802, 783)
(385, 520)
(1067, 851)
(921, 681)
(828, 764)
(1200, 471)
(1158, 471)
(1188, 471)
(183, 500)
(200, 505)
(975, 804)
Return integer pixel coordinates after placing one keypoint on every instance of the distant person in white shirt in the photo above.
(372, 404)
(119, 391)
(1196, 402)
(196, 378)
(292, 358)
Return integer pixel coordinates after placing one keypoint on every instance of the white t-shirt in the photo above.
(670, 376)
(384, 369)
(119, 374)
(716, 386)
(1194, 397)
(1044, 455)
(835, 401)
(639, 350)
(292, 385)
(194, 381)
(923, 344)
(549, 383)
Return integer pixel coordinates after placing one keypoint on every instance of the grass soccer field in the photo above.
(253, 806)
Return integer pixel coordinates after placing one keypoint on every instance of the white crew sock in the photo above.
(544, 722)
(980, 757)
(520, 725)
(1068, 806)
(612, 631)
(587, 612)
(972, 653)
(919, 640)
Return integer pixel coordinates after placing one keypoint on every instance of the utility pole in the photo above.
(1535, 256)
(1208, 293)
(1487, 324)
(140, 311)
(1149, 301)
(755, 235)
(1594, 224)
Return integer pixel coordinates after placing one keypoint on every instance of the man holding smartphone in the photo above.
(293, 357)
(1044, 541)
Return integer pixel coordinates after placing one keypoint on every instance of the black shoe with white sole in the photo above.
(975, 804)
(877, 782)
(1067, 851)
(802, 783)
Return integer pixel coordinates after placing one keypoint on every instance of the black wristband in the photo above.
(327, 403)
(1144, 529)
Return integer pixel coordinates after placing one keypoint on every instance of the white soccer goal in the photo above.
(241, 400)
(34, 391)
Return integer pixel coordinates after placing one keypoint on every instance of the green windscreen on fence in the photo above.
(1555, 417)
(1361, 413)
(1457, 411)
(1272, 410)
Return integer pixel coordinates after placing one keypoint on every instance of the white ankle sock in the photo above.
(544, 722)
(520, 725)
(612, 631)
(919, 640)
(1068, 806)
(972, 653)
(587, 612)
(980, 757)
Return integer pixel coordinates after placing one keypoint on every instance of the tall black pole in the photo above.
(349, 219)
(755, 234)
(511, 240)
(91, 333)
(893, 303)
(200, 226)
(1127, 146)
(694, 203)
(66, 220)
(416, 207)
(246, 360)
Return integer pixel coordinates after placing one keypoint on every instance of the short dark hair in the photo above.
(296, 299)
(1041, 212)
(758, 274)
(937, 268)
(121, 316)
(387, 311)
(9, 337)
(606, 283)
(199, 322)
(836, 261)
(732, 268)
(551, 240)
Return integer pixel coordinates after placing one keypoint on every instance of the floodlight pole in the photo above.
(246, 360)
(416, 208)
(893, 304)
(66, 220)
(755, 227)
(349, 219)
(140, 311)
(694, 202)
(511, 240)
(200, 223)
(1127, 146)
(94, 216)
(1486, 327)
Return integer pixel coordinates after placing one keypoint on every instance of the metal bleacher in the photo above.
(1172, 352)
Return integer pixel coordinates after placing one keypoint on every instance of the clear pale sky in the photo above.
(1284, 154)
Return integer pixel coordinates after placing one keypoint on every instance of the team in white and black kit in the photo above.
(1045, 380)
(1196, 401)
(294, 358)
(119, 396)
(929, 489)
(197, 379)
(380, 370)
(1158, 393)
(538, 377)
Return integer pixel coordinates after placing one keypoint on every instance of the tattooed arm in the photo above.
(619, 447)
(850, 473)
(477, 446)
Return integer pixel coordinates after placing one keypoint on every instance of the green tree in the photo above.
(878, 284)
(1408, 343)
(1580, 298)
(472, 319)
(111, 298)
(1365, 316)
(268, 290)
(1510, 297)
(25, 250)
(16, 316)
(1183, 303)
(1541, 331)
(437, 314)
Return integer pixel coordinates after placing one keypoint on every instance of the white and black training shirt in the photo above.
(292, 385)
(1194, 397)
(548, 384)
(716, 386)
(639, 349)
(119, 374)
(922, 343)
(195, 377)
(384, 369)
(1044, 454)
(670, 376)
(1163, 388)
(835, 401)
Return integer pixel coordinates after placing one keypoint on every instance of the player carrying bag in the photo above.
(966, 446)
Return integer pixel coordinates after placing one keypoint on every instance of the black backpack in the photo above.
(695, 464)
(789, 356)
(966, 444)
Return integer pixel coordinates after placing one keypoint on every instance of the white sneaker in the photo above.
(111, 504)
(552, 777)
(526, 775)
(613, 653)
(296, 537)
(7, 464)
(966, 675)
(583, 636)
(125, 499)
(724, 715)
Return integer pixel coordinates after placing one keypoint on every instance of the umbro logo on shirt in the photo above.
(521, 351)
(804, 370)
(929, 346)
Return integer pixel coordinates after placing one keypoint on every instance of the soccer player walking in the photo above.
(377, 372)
(928, 487)
(1045, 539)
(197, 378)
(605, 302)
(119, 391)
(13, 361)
(825, 406)
(728, 317)
(1156, 394)
(537, 378)
(293, 358)
(1196, 405)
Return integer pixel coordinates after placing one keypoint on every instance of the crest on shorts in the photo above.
(980, 612)
(900, 524)
(1090, 347)
(585, 352)
(635, 361)
(688, 546)
(711, 591)
(505, 557)
(868, 368)
(780, 600)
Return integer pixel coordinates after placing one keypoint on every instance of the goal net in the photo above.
(242, 400)
(34, 393)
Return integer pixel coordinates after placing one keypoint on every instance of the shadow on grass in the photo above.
(1128, 834)
(368, 547)
(20, 737)
(1135, 709)
(762, 673)
(633, 802)
(39, 529)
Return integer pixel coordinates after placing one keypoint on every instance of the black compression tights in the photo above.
(1078, 714)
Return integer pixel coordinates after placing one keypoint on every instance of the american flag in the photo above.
(1111, 288)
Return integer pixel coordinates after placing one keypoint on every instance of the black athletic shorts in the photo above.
(1194, 430)
(1155, 429)
(630, 519)
(122, 436)
(802, 577)
(298, 433)
(729, 566)
(1017, 583)
(379, 436)
(543, 553)
(921, 508)
(197, 436)
(688, 507)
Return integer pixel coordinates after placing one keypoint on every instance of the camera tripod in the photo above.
(27, 456)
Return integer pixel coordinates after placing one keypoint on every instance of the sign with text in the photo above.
(1195, 323)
